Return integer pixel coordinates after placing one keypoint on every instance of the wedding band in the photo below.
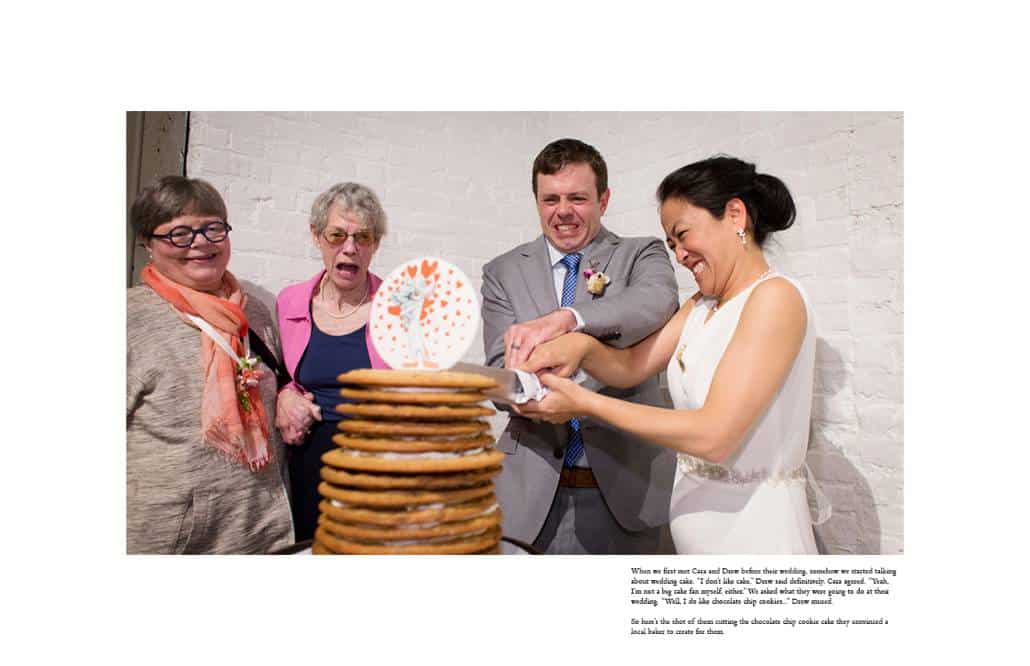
(515, 346)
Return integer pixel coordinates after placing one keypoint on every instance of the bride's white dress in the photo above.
(755, 501)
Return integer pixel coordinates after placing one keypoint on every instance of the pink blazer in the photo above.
(292, 309)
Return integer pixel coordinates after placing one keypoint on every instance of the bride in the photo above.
(740, 356)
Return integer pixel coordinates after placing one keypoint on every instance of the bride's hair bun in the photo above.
(711, 183)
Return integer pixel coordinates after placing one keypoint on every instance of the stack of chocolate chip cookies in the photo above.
(412, 474)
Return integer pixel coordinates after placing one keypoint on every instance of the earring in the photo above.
(743, 237)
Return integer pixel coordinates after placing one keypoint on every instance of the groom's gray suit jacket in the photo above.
(634, 477)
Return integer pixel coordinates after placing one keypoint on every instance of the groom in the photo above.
(579, 487)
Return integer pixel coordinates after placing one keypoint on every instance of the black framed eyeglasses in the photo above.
(183, 236)
(337, 237)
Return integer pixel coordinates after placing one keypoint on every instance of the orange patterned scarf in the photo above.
(232, 415)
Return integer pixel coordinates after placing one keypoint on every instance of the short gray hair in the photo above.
(352, 198)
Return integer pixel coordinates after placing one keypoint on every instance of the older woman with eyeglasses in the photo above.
(205, 469)
(324, 327)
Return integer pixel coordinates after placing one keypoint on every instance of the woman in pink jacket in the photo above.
(323, 324)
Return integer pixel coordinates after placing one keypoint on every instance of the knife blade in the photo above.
(509, 388)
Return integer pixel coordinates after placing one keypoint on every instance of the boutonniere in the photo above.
(596, 281)
(247, 377)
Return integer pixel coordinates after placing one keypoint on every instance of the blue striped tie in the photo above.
(568, 295)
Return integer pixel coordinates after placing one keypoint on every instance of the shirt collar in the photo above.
(553, 254)
(556, 255)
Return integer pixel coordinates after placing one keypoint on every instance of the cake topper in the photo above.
(424, 315)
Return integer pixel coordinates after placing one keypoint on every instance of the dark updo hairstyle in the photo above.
(170, 197)
(711, 183)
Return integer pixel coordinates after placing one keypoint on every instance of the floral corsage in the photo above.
(596, 281)
(247, 377)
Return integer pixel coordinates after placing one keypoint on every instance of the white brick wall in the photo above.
(458, 185)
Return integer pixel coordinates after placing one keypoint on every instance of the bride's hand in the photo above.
(562, 355)
(564, 401)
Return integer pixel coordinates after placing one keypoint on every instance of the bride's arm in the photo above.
(619, 368)
(754, 367)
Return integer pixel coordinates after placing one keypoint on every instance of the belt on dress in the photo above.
(577, 477)
(711, 471)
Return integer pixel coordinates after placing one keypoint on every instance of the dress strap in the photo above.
(768, 275)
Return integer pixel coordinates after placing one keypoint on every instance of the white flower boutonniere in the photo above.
(596, 281)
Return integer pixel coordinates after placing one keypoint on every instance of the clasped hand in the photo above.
(294, 414)
(521, 340)
(553, 362)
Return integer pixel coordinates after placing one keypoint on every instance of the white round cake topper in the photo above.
(424, 315)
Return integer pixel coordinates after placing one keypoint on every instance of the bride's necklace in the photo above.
(715, 308)
(326, 306)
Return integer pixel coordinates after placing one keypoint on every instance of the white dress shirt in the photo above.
(558, 271)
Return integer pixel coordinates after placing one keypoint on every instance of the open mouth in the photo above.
(202, 259)
(697, 267)
(347, 269)
(566, 229)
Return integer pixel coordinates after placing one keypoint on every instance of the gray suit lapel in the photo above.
(596, 256)
(539, 277)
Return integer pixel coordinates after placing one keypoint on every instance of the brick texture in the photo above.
(457, 185)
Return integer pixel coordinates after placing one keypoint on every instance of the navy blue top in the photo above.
(326, 357)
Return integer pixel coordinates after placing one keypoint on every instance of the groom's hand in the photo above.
(521, 339)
